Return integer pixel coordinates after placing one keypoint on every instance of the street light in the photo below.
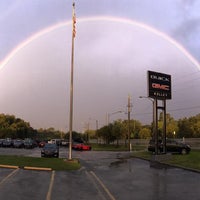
(150, 99)
(97, 124)
(109, 114)
(154, 121)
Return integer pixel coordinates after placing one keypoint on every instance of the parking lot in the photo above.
(103, 176)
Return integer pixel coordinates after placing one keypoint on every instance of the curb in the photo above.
(37, 168)
(170, 165)
(26, 168)
(9, 166)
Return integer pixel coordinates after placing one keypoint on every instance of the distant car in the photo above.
(81, 147)
(172, 146)
(50, 150)
(65, 143)
(18, 143)
(29, 143)
(1, 142)
(7, 142)
(41, 144)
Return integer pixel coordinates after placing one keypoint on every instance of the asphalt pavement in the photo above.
(103, 176)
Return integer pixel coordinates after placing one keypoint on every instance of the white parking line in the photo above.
(48, 197)
(93, 180)
(9, 175)
(103, 186)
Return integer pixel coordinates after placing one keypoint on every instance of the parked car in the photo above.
(50, 150)
(65, 143)
(1, 142)
(41, 144)
(7, 142)
(18, 143)
(55, 141)
(29, 143)
(81, 147)
(171, 146)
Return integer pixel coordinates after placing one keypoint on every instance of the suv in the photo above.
(171, 146)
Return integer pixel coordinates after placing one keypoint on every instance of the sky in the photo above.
(116, 43)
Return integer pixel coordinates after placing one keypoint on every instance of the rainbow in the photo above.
(101, 18)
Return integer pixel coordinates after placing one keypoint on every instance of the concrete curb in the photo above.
(37, 168)
(26, 168)
(9, 166)
(170, 165)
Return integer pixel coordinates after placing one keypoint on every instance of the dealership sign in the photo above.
(159, 85)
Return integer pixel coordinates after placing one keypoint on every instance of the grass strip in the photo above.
(191, 160)
(53, 163)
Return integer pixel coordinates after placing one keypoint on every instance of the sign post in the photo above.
(159, 88)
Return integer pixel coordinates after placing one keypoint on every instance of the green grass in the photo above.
(54, 163)
(191, 160)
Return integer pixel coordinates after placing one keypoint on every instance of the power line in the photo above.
(171, 110)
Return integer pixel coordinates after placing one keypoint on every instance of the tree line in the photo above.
(118, 130)
(13, 127)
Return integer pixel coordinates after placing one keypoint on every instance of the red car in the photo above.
(81, 147)
(42, 144)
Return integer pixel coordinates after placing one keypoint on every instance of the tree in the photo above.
(106, 134)
(145, 133)
(185, 128)
(13, 127)
(117, 130)
(171, 125)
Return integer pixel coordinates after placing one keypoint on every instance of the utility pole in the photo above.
(129, 113)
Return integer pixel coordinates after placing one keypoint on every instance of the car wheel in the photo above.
(183, 151)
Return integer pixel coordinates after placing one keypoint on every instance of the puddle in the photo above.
(118, 162)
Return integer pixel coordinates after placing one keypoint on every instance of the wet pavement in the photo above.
(139, 179)
(103, 176)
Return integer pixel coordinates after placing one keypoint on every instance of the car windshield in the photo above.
(50, 146)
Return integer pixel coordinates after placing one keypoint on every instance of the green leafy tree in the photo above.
(145, 133)
(106, 134)
(185, 128)
(171, 125)
(117, 130)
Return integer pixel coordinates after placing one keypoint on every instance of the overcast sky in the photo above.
(115, 44)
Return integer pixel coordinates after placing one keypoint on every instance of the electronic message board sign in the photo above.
(159, 85)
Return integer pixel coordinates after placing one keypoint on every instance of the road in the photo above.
(104, 176)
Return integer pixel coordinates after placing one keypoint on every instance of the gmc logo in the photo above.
(160, 86)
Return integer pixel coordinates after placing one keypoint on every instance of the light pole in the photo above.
(109, 114)
(154, 122)
(129, 131)
(150, 99)
(97, 124)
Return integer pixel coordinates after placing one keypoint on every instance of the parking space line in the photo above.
(93, 180)
(48, 197)
(102, 185)
(9, 175)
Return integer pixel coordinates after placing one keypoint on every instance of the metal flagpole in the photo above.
(71, 83)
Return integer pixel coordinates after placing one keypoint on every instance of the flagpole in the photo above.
(71, 82)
